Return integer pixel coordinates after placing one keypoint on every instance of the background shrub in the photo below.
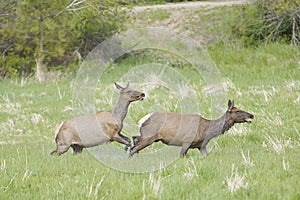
(53, 33)
(269, 21)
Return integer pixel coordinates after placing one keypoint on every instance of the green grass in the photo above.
(264, 81)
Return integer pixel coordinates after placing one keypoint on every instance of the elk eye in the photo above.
(237, 111)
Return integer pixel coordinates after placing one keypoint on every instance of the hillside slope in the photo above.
(206, 22)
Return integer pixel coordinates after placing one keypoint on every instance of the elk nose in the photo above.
(143, 95)
(251, 116)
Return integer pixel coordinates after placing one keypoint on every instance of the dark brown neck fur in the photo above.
(220, 126)
(120, 110)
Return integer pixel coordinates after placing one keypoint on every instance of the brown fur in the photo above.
(102, 127)
(186, 130)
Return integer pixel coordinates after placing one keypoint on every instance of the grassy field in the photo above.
(257, 161)
(251, 161)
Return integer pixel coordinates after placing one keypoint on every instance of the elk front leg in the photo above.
(203, 148)
(123, 140)
(141, 144)
(184, 149)
(205, 142)
(136, 139)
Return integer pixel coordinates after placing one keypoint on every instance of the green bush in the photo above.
(53, 33)
(14, 65)
(269, 21)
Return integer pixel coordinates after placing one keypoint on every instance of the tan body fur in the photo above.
(102, 127)
(186, 130)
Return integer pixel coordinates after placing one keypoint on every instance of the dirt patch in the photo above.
(189, 5)
(202, 21)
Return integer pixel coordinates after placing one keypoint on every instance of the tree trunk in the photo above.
(41, 70)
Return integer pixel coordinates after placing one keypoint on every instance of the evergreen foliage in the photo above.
(53, 33)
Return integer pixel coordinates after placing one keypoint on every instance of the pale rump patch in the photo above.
(145, 118)
(58, 128)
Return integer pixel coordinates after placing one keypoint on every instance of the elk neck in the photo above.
(221, 125)
(120, 110)
(227, 123)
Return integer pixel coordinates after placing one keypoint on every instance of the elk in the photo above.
(102, 127)
(186, 130)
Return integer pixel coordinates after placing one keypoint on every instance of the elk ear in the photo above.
(230, 105)
(119, 87)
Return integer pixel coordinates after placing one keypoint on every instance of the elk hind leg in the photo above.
(76, 148)
(60, 149)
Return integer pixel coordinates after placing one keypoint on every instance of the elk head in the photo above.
(238, 116)
(129, 94)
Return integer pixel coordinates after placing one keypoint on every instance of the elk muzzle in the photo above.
(249, 118)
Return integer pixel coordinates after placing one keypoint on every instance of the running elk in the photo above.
(102, 127)
(186, 130)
